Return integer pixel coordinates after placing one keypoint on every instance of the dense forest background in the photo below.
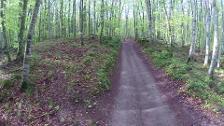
(197, 23)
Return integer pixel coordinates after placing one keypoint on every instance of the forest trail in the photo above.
(139, 101)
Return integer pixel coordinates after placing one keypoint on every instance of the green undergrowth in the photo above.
(7, 85)
(198, 84)
(110, 58)
(92, 67)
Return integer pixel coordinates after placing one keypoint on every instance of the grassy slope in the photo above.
(197, 85)
(63, 74)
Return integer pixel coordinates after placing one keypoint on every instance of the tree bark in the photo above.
(208, 33)
(69, 18)
(182, 24)
(222, 38)
(4, 30)
(63, 29)
(102, 21)
(149, 12)
(28, 53)
(74, 18)
(194, 31)
(89, 17)
(23, 14)
(94, 17)
(216, 41)
(81, 21)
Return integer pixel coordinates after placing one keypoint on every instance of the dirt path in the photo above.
(139, 101)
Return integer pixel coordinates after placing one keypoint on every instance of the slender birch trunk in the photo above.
(208, 33)
(81, 22)
(216, 40)
(102, 20)
(94, 18)
(194, 31)
(74, 19)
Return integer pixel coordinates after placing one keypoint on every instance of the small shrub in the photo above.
(199, 88)
(17, 77)
(27, 87)
(143, 41)
(111, 42)
(104, 71)
(162, 59)
(177, 69)
(4, 95)
(35, 57)
(220, 88)
(7, 84)
(197, 85)
(104, 82)
(35, 60)
(149, 50)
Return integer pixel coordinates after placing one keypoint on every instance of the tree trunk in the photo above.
(149, 12)
(89, 18)
(194, 32)
(28, 53)
(63, 31)
(208, 33)
(182, 24)
(126, 24)
(49, 19)
(170, 16)
(135, 21)
(216, 41)
(222, 38)
(23, 13)
(81, 21)
(94, 18)
(4, 30)
(102, 21)
(69, 18)
(74, 18)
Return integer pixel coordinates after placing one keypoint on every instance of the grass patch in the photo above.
(198, 84)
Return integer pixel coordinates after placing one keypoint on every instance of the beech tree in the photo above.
(28, 50)
(74, 28)
(23, 14)
(194, 32)
(81, 21)
(149, 12)
(216, 40)
(208, 34)
(102, 20)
